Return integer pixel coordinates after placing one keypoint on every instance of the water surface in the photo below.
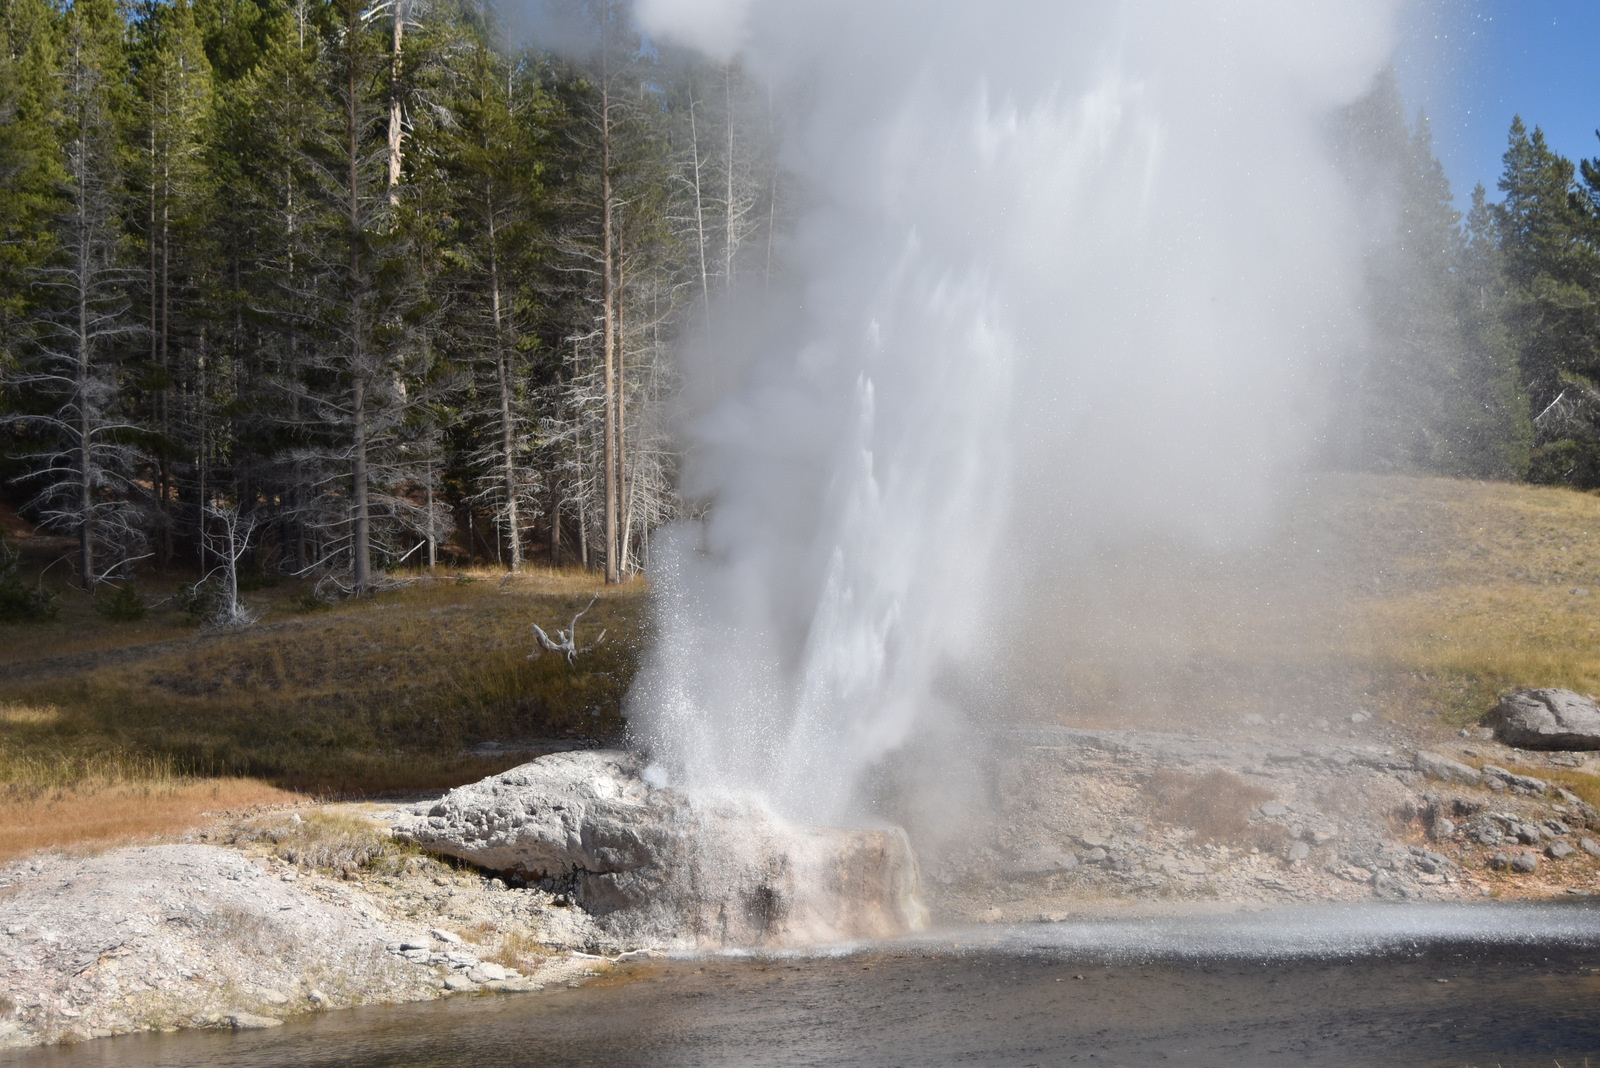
(1412, 985)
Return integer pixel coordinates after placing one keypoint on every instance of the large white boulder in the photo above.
(656, 867)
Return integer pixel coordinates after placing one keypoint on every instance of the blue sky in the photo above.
(1473, 64)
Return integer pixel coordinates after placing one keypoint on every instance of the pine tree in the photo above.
(172, 78)
(78, 404)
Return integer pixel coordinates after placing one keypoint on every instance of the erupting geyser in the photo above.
(1063, 271)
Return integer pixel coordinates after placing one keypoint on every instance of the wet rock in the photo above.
(1436, 766)
(249, 1021)
(653, 866)
(1559, 851)
(1525, 863)
(1548, 719)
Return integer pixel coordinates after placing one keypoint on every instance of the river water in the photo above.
(1458, 985)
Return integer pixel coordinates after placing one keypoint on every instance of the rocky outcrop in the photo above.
(1548, 719)
(654, 866)
(1435, 766)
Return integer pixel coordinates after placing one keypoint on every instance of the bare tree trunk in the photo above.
(395, 132)
(699, 214)
(555, 531)
(85, 427)
(583, 537)
(622, 425)
(360, 533)
(202, 447)
(508, 437)
(433, 538)
(165, 360)
(727, 95)
(607, 299)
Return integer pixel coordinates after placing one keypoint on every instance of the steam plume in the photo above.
(1065, 270)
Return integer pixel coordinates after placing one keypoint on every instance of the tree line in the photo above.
(358, 278)
(1483, 357)
(364, 284)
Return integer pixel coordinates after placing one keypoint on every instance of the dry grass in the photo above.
(1403, 596)
(378, 695)
(327, 841)
(519, 950)
(1217, 806)
(100, 814)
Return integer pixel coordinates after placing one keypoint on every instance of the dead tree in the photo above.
(566, 641)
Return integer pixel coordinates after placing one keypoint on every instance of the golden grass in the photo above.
(103, 814)
(1407, 597)
(331, 842)
(383, 694)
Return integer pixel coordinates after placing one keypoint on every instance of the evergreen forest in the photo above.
(338, 289)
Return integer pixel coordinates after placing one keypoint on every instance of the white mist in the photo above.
(1065, 270)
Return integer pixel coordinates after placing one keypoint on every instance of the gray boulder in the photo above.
(654, 866)
(1548, 719)
(1435, 766)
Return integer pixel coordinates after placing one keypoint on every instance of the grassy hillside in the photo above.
(383, 694)
(1417, 600)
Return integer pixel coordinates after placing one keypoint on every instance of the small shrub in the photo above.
(1216, 805)
(20, 602)
(309, 601)
(201, 601)
(123, 604)
(257, 579)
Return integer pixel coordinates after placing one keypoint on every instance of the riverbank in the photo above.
(239, 935)
(294, 910)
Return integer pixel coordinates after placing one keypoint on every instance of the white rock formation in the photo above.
(655, 866)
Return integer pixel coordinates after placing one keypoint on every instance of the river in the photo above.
(1446, 985)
